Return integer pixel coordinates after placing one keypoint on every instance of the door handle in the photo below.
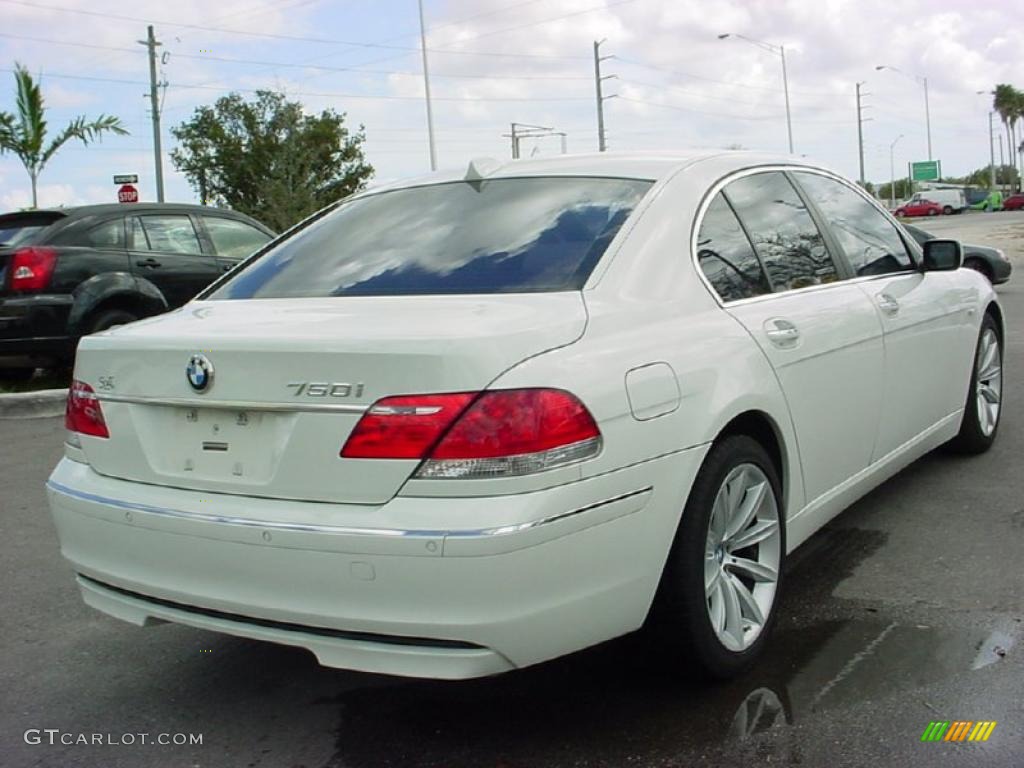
(781, 333)
(147, 263)
(888, 304)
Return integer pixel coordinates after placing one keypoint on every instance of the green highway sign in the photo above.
(926, 170)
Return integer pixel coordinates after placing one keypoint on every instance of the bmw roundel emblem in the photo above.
(199, 372)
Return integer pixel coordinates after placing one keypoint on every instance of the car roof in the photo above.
(107, 208)
(653, 166)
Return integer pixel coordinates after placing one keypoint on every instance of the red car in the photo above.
(919, 208)
(1013, 203)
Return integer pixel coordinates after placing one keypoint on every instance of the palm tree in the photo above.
(24, 132)
(1004, 102)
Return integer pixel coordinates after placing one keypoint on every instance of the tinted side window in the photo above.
(109, 234)
(782, 230)
(870, 241)
(233, 239)
(174, 234)
(726, 256)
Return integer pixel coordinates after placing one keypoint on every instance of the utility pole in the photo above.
(154, 103)
(426, 90)
(601, 98)
(1002, 161)
(860, 131)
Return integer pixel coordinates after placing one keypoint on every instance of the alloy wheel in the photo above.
(989, 378)
(742, 554)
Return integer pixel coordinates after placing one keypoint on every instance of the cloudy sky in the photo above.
(497, 61)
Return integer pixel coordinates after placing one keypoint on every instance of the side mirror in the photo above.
(942, 255)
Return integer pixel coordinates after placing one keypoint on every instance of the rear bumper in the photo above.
(575, 565)
(34, 330)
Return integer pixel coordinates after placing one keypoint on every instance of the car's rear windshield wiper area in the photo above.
(517, 235)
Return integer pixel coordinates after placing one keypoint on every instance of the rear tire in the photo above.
(715, 605)
(932, 212)
(111, 318)
(984, 404)
(948, 210)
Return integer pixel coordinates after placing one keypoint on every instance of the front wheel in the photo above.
(716, 602)
(932, 212)
(985, 397)
(948, 210)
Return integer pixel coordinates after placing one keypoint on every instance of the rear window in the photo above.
(524, 235)
(23, 230)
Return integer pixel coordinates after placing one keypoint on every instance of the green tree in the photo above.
(268, 158)
(23, 132)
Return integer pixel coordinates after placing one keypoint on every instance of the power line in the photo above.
(289, 65)
(382, 97)
(293, 38)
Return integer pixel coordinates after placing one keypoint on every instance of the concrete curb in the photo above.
(32, 405)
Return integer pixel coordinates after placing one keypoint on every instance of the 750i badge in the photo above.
(326, 389)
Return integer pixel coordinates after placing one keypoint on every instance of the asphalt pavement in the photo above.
(906, 609)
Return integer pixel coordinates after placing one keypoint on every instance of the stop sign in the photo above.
(127, 194)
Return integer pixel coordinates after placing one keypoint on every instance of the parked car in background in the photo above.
(1013, 202)
(991, 262)
(68, 272)
(463, 425)
(920, 207)
(951, 200)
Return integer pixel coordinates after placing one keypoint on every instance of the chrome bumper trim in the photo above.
(331, 529)
(232, 405)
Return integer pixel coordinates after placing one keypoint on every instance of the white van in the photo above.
(951, 200)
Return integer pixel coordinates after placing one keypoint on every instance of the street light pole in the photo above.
(780, 51)
(892, 172)
(785, 88)
(927, 109)
(426, 89)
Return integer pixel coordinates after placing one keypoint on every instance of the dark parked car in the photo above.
(69, 272)
(991, 262)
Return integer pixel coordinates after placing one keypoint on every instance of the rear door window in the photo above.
(170, 233)
(522, 235)
(109, 234)
(233, 239)
(788, 241)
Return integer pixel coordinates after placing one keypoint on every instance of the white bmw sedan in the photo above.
(461, 425)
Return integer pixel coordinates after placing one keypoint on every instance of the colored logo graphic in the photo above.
(958, 730)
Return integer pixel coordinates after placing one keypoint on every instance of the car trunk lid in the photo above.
(290, 379)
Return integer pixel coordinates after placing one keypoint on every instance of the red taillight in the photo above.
(501, 432)
(83, 413)
(404, 427)
(31, 268)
